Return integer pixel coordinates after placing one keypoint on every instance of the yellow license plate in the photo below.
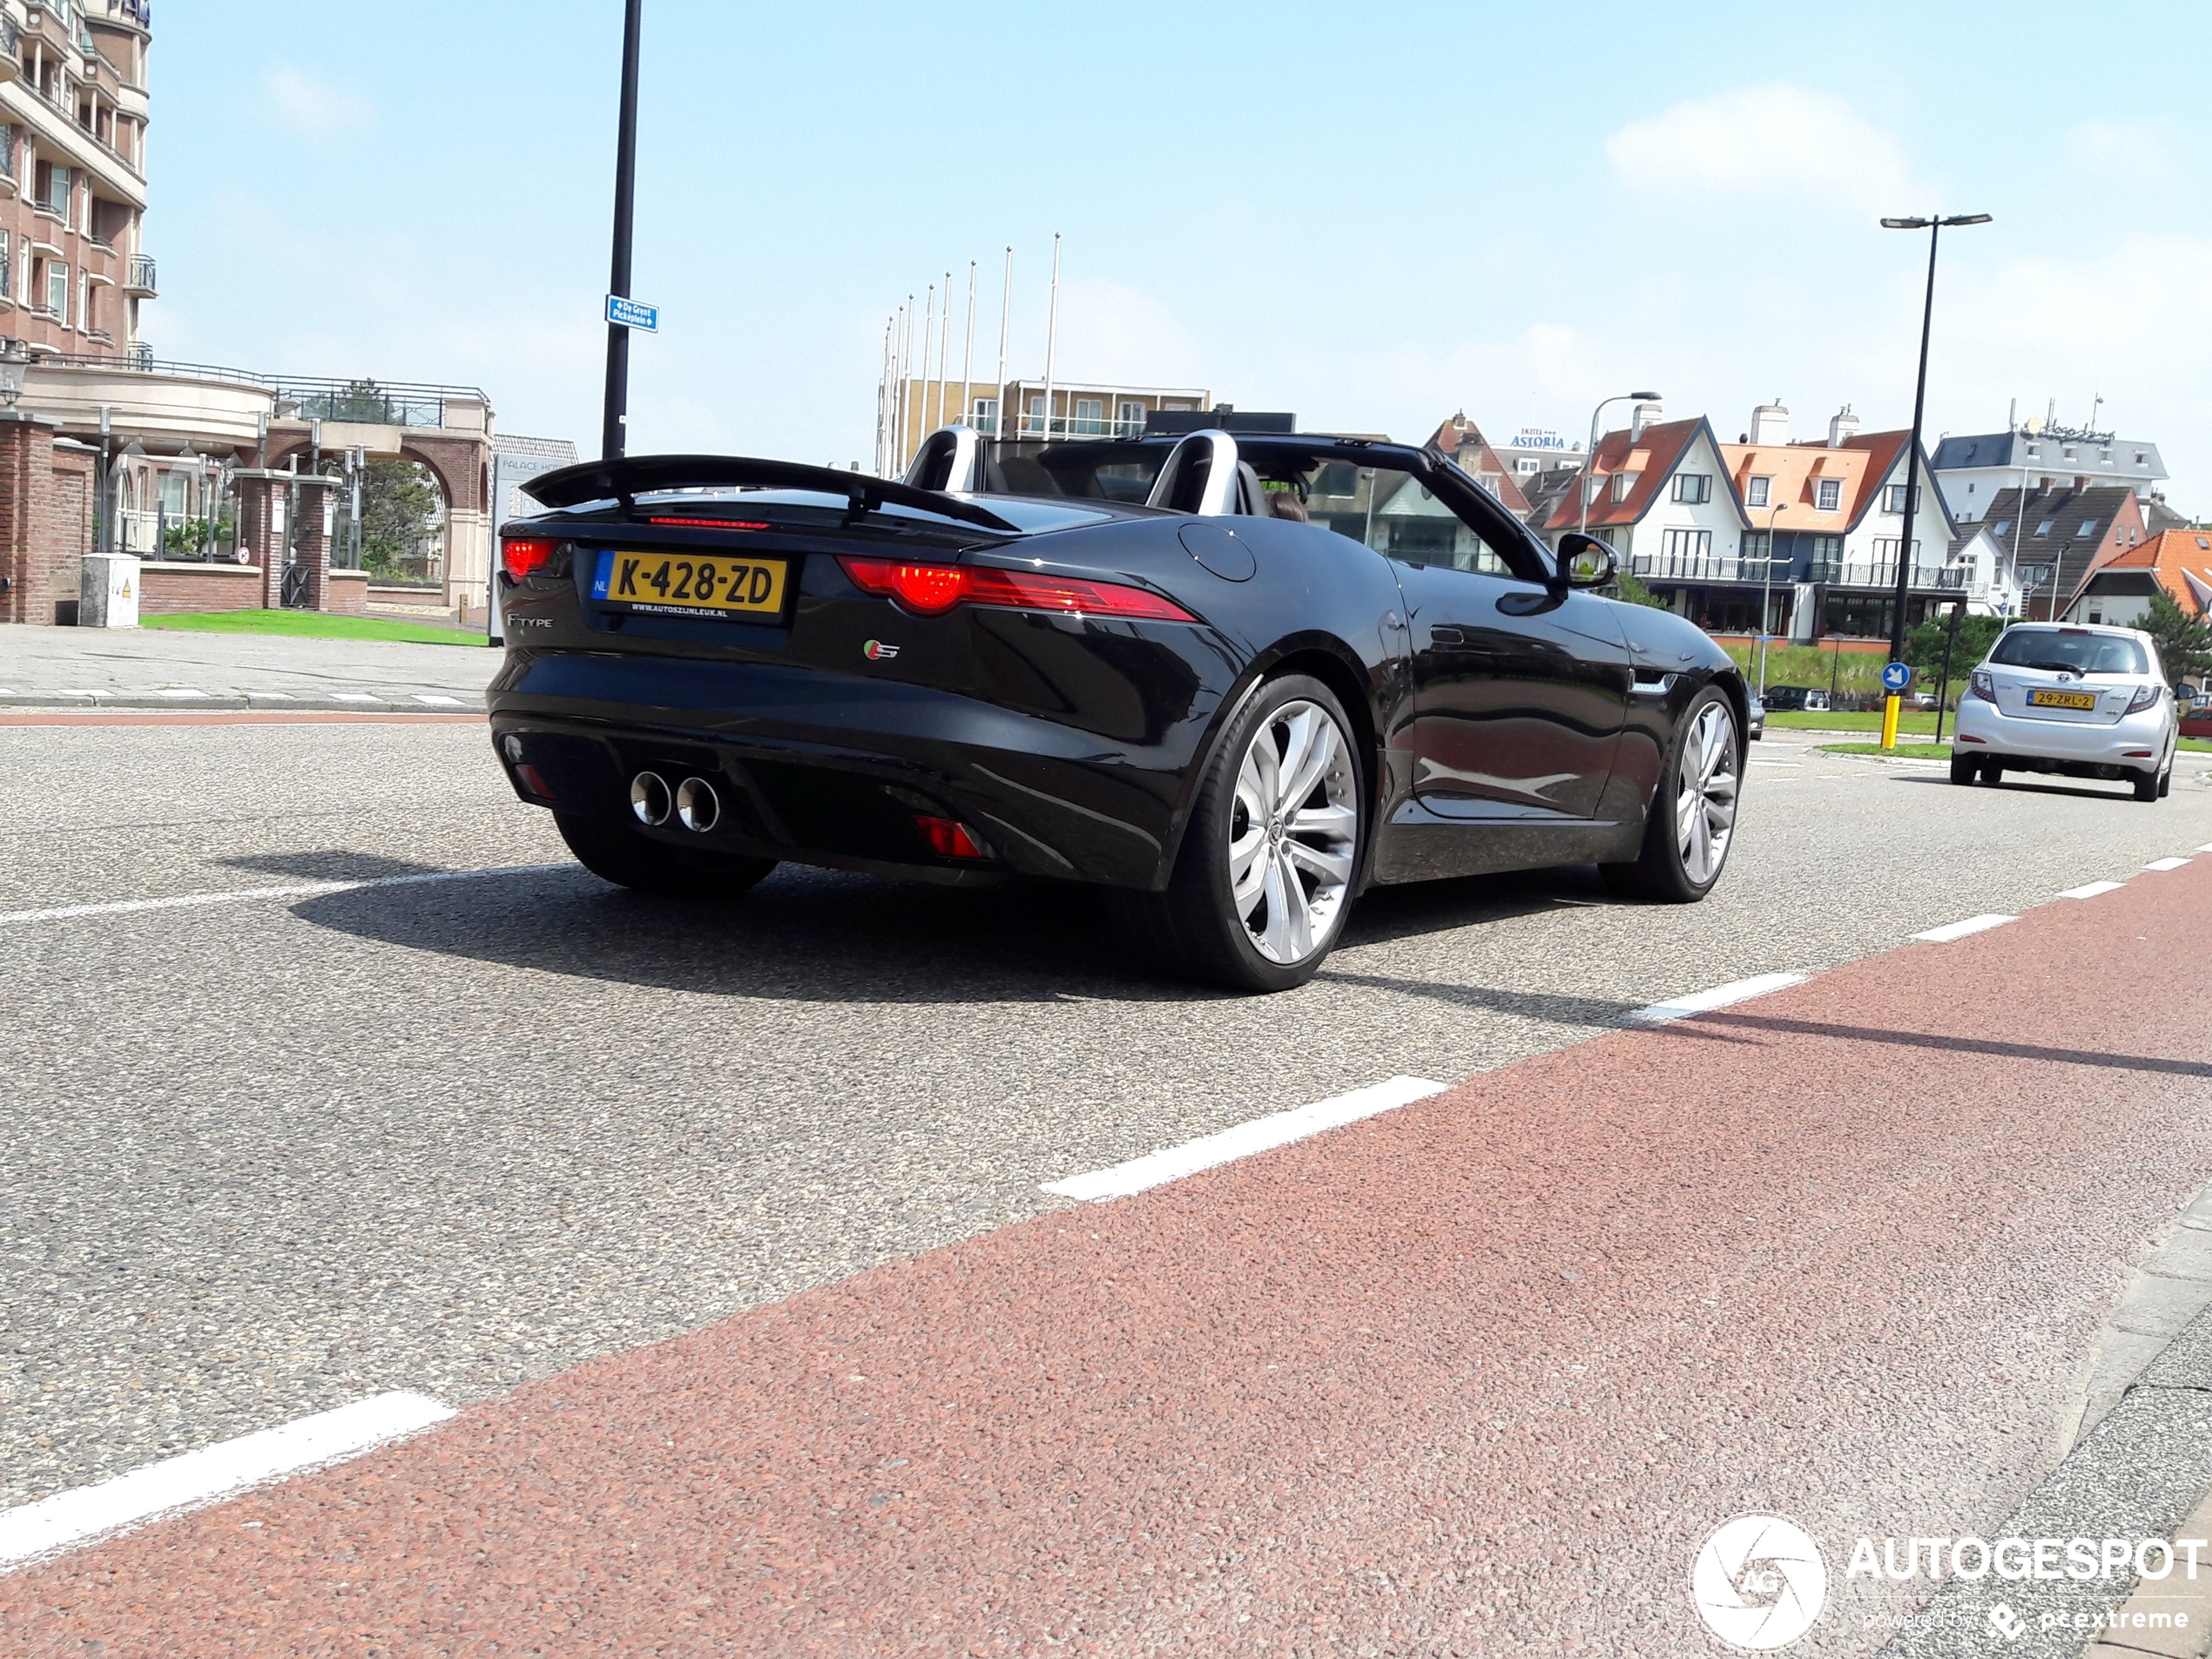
(691, 584)
(2062, 699)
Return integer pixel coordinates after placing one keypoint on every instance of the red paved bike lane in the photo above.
(1473, 1377)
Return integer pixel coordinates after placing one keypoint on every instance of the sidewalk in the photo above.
(132, 668)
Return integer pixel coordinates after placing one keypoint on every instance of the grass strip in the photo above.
(313, 624)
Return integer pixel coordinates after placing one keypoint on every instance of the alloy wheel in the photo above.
(1705, 794)
(1294, 830)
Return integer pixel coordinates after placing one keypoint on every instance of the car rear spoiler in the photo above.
(634, 475)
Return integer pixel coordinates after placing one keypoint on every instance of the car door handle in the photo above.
(1658, 686)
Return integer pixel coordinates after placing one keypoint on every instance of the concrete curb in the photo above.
(395, 702)
(2140, 1473)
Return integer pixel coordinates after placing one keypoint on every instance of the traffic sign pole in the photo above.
(614, 438)
(1897, 679)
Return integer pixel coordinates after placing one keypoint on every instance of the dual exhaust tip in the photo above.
(692, 803)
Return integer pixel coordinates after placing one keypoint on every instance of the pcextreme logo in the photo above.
(1758, 1581)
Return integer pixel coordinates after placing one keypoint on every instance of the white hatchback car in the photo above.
(2083, 702)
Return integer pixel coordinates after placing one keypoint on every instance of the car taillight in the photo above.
(932, 590)
(950, 839)
(522, 555)
(2143, 698)
(1978, 684)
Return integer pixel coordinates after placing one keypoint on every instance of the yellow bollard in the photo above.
(1890, 707)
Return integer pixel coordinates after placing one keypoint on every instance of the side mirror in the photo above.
(1585, 562)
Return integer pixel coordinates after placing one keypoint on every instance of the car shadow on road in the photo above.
(333, 864)
(2111, 792)
(825, 935)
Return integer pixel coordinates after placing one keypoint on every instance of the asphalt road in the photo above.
(265, 1157)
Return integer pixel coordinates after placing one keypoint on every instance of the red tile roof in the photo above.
(1654, 453)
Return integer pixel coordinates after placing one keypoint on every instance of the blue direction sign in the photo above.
(1897, 678)
(632, 313)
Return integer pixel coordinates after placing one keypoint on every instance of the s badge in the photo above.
(875, 650)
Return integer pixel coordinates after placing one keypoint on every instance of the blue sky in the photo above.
(1371, 215)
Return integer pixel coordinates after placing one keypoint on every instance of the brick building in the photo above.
(73, 113)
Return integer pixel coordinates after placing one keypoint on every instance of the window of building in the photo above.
(1686, 547)
(58, 291)
(1132, 413)
(2088, 528)
(1757, 491)
(2044, 528)
(2000, 528)
(1090, 415)
(58, 190)
(24, 266)
(1828, 493)
(1693, 488)
(1624, 484)
(984, 417)
(1033, 420)
(172, 493)
(1526, 465)
(1893, 499)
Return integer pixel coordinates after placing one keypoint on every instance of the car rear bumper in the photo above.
(835, 770)
(2137, 743)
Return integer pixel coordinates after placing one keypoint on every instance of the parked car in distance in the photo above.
(2078, 701)
(1755, 718)
(1796, 699)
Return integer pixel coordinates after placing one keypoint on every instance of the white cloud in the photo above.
(1773, 140)
(2120, 152)
(316, 108)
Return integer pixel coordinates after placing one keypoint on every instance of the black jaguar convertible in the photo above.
(1232, 680)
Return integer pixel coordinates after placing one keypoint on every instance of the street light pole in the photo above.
(1589, 460)
(1934, 225)
(613, 439)
(1766, 595)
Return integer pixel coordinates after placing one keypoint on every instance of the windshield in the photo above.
(2070, 650)
(1380, 506)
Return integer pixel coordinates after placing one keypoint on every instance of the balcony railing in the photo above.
(1710, 567)
(1838, 575)
(11, 37)
(138, 275)
(1077, 426)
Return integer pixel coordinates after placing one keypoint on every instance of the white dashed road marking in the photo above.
(1950, 931)
(2092, 890)
(236, 895)
(2165, 864)
(1259, 1135)
(68, 1519)
(179, 692)
(1720, 996)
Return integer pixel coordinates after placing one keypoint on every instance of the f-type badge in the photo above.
(875, 650)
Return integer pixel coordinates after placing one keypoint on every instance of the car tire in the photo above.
(1227, 917)
(1993, 771)
(2166, 779)
(1671, 869)
(1965, 769)
(2147, 788)
(618, 854)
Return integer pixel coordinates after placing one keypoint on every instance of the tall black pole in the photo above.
(613, 440)
(1912, 460)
